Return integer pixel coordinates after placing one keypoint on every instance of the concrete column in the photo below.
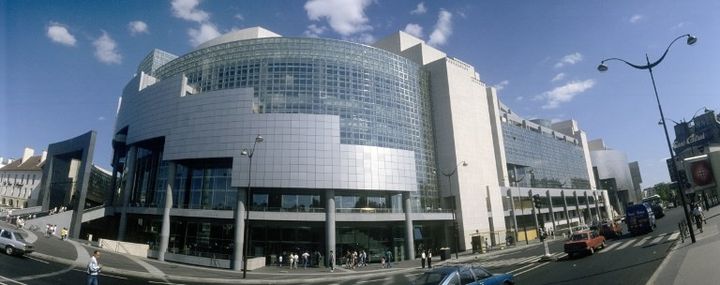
(567, 214)
(330, 225)
(409, 234)
(129, 182)
(239, 216)
(587, 206)
(597, 206)
(606, 201)
(113, 182)
(512, 212)
(165, 230)
(577, 207)
(550, 207)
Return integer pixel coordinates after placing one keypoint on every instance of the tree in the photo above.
(665, 190)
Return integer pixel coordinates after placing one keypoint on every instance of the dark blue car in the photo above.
(463, 274)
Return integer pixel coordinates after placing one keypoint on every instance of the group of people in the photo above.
(294, 260)
(355, 259)
(426, 257)
(57, 210)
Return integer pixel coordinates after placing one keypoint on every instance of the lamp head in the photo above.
(464, 163)
(602, 67)
(259, 139)
(691, 40)
(244, 152)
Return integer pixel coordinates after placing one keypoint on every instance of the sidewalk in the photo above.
(689, 263)
(77, 253)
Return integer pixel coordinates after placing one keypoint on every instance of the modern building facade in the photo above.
(20, 178)
(328, 145)
(613, 174)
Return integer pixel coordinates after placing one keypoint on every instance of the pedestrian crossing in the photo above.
(640, 242)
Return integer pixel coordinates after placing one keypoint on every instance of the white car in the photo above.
(14, 243)
(580, 228)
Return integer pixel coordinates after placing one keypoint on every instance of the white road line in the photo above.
(674, 236)
(38, 260)
(628, 243)
(168, 283)
(657, 239)
(642, 241)
(372, 280)
(114, 276)
(533, 268)
(31, 277)
(523, 267)
(610, 247)
(11, 280)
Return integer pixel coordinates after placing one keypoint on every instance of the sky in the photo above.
(63, 64)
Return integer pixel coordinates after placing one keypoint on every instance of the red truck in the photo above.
(584, 242)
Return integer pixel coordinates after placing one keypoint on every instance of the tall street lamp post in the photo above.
(449, 175)
(649, 66)
(246, 231)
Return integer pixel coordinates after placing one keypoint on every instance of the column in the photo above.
(567, 214)
(514, 216)
(550, 208)
(129, 182)
(110, 195)
(577, 207)
(587, 206)
(165, 229)
(239, 216)
(330, 225)
(409, 235)
(597, 206)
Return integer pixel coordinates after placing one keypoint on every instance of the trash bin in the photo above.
(444, 253)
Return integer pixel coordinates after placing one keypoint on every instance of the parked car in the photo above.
(658, 211)
(463, 274)
(14, 243)
(584, 242)
(610, 229)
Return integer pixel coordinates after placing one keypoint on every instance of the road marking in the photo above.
(38, 260)
(642, 241)
(168, 283)
(657, 239)
(114, 276)
(533, 268)
(674, 236)
(610, 247)
(524, 267)
(11, 280)
(31, 277)
(628, 243)
(372, 280)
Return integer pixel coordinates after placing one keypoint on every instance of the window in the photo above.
(6, 234)
(466, 276)
(480, 273)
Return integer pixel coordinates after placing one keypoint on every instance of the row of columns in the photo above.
(598, 214)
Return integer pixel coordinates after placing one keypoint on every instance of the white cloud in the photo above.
(501, 85)
(346, 17)
(60, 34)
(443, 29)
(558, 77)
(186, 9)
(572, 58)
(239, 17)
(206, 32)
(138, 27)
(565, 93)
(314, 31)
(636, 18)
(414, 29)
(419, 10)
(363, 38)
(106, 50)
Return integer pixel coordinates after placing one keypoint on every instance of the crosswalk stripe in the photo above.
(642, 241)
(674, 236)
(657, 239)
(628, 243)
(610, 247)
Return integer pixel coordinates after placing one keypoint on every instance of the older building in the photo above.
(20, 178)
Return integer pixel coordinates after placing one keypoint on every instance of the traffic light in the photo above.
(537, 202)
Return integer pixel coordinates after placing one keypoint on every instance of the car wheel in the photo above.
(9, 250)
(603, 245)
(592, 250)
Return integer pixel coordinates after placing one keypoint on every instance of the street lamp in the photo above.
(449, 175)
(245, 229)
(602, 68)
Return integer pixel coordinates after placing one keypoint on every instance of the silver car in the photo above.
(14, 243)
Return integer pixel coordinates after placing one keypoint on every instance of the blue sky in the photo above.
(64, 63)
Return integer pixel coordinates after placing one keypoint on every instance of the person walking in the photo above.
(93, 269)
(389, 258)
(697, 213)
(63, 234)
(331, 261)
(306, 259)
(422, 259)
(429, 259)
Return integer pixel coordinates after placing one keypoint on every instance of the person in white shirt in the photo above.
(93, 269)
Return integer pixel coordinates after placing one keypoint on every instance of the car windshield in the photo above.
(431, 278)
(578, 237)
(19, 237)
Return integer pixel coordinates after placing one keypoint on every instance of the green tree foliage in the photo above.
(665, 190)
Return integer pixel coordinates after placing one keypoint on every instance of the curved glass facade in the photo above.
(382, 99)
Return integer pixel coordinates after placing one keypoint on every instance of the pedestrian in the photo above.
(697, 213)
(331, 261)
(306, 259)
(389, 258)
(429, 259)
(93, 269)
(422, 260)
(64, 233)
(280, 260)
(382, 262)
